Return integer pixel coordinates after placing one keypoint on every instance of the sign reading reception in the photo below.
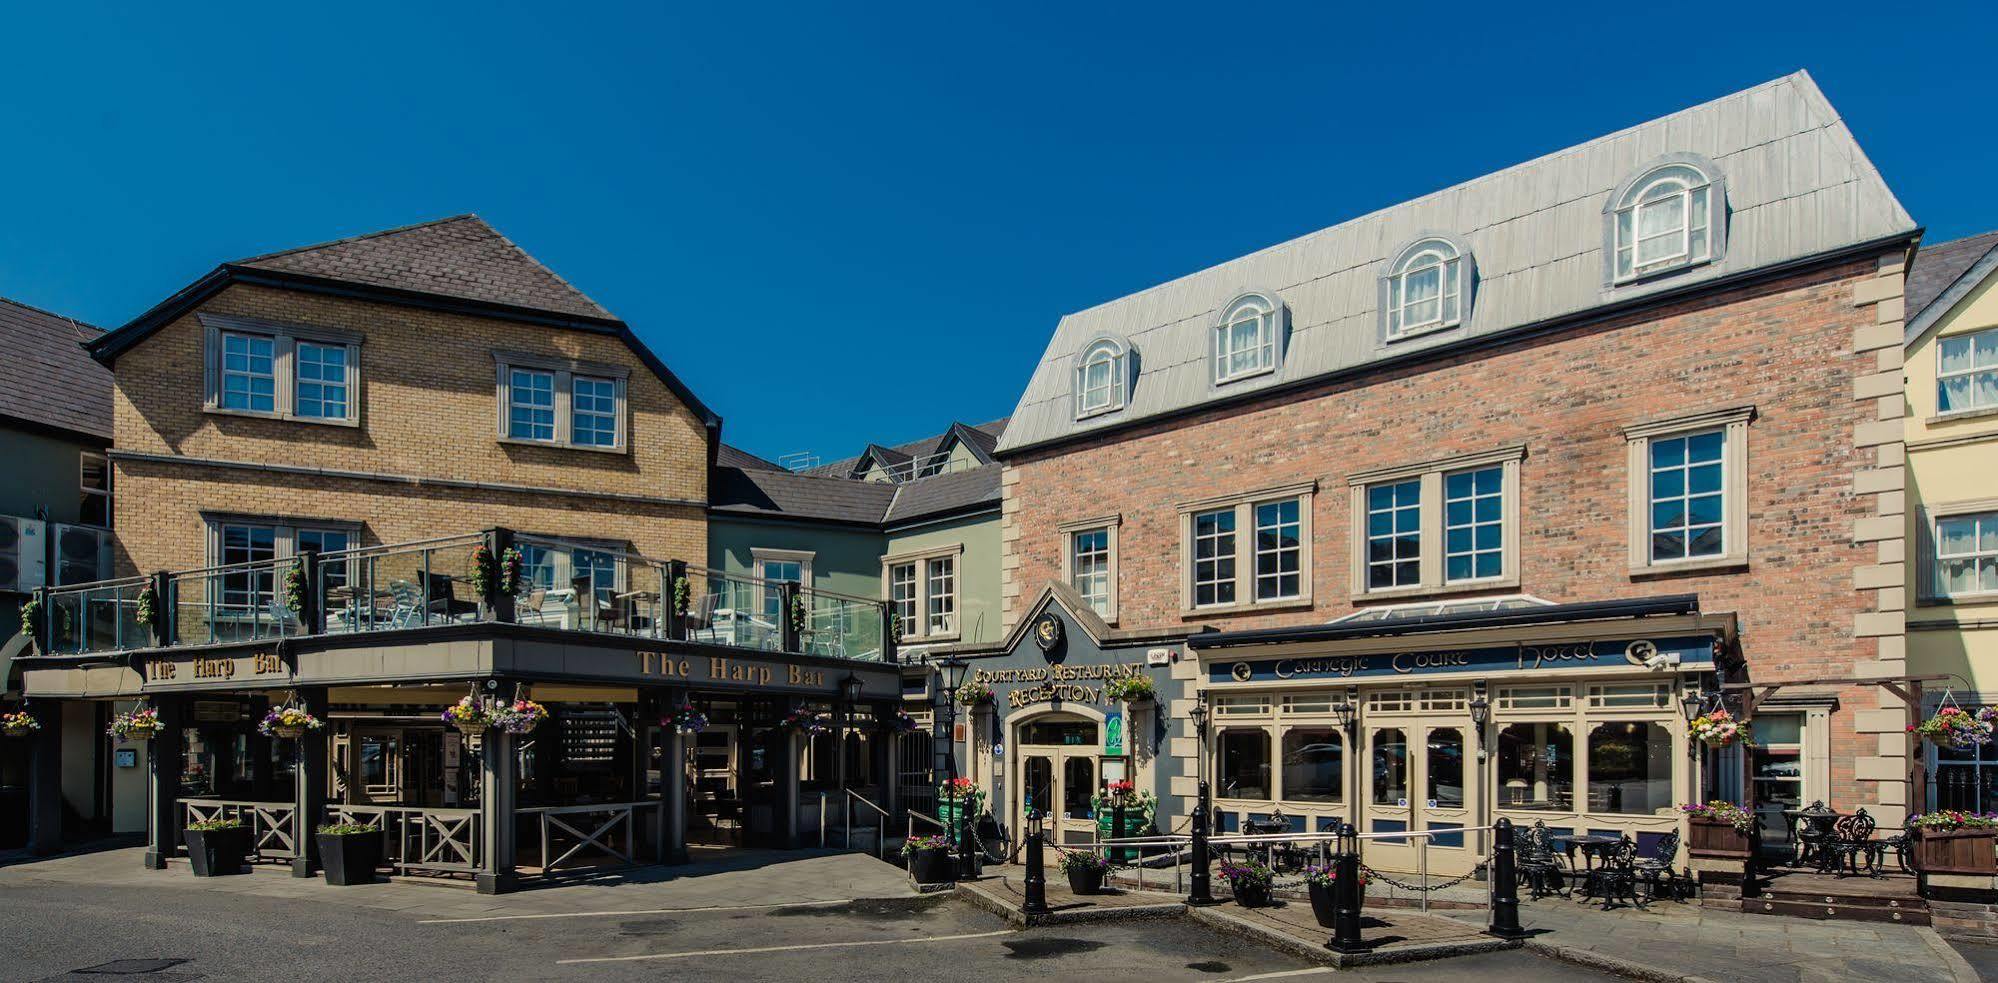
(1562, 657)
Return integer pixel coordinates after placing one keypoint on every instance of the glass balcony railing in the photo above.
(561, 585)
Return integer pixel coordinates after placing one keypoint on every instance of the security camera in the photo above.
(1662, 660)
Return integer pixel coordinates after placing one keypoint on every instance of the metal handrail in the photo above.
(880, 825)
(246, 565)
(99, 585)
(355, 552)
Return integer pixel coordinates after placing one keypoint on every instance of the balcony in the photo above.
(495, 576)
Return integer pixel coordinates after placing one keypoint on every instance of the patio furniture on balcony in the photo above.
(445, 602)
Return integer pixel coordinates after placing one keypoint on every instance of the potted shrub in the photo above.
(1720, 830)
(929, 859)
(140, 723)
(217, 846)
(1953, 842)
(1085, 872)
(1322, 883)
(1250, 880)
(350, 852)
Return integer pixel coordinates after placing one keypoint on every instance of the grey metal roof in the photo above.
(1942, 274)
(1796, 183)
(47, 377)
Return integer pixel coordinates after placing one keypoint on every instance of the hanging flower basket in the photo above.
(294, 588)
(975, 694)
(484, 575)
(518, 717)
(685, 719)
(1956, 728)
(1135, 688)
(804, 721)
(140, 723)
(148, 611)
(469, 715)
(512, 570)
(683, 595)
(1718, 728)
(288, 722)
(19, 724)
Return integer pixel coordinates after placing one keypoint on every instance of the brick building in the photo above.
(1468, 505)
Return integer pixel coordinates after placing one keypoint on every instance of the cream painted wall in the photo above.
(128, 785)
(1949, 461)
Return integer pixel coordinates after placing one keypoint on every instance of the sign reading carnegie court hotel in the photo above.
(1562, 657)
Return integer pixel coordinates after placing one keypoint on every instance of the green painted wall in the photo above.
(41, 473)
(978, 592)
(844, 560)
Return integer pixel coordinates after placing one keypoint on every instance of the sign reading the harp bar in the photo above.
(726, 670)
(208, 670)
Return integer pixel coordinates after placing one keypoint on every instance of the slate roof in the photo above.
(1937, 269)
(982, 438)
(748, 485)
(784, 494)
(46, 377)
(944, 494)
(1797, 186)
(460, 256)
(735, 457)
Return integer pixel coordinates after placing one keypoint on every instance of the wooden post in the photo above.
(496, 817)
(309, 786)
(165, 755)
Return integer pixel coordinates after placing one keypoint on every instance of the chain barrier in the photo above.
(1373, 874)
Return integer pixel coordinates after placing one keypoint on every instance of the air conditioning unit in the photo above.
(24, 554)
(82, 554)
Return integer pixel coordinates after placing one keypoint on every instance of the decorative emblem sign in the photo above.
(1639, 652)
(1242, 672)
(1047, 632)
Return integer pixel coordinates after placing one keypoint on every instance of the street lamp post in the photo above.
(952, 670)
(1200, 891)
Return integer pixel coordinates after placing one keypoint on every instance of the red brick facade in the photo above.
(1785, 347)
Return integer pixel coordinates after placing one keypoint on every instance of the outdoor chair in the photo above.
(444, 600)
(1903, 845)
(407, 604)
(1534, 858)
(1615, 876)
(1851, 843)
(1655, 871)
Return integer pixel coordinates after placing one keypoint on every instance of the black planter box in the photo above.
(932, 866)
(1252, 895)
(350, 858)
(1324, 902)
(215, 852)
(1086, 880)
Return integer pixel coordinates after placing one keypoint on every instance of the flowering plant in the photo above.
(294, 587)
(1248, 873)
(1741, 819)
(1956, 819)
(895, 626)
(910, 846)
(1954, 727)
(683, 594)
(19, 724)
(974, 694)
(518, 717)
(1119, 789)
(148, 605)
(958, 788)
(288, 722)
(512, 566)
(137, 724)
(1130, 688)
(804, 721)
(470, 715)
(1139, 807)
(215, 825)
(1719, 728)
(685, 719)
(485, 570)
(798, 613)
(1077, 862)
(1327, 876)
(347, 829)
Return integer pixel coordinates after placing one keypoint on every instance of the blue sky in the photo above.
(859, 222)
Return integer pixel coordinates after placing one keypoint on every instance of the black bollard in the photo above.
(1505, 885)
(1347, 893)
(1199, 888)
(1037, 876)
(967, 850)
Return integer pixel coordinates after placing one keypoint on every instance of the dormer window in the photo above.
(1669, 217)
(1247, 338)
(1424, 288)
(1102, 378)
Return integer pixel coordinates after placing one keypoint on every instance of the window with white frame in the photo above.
(1688, 496)
(1437, 525)
(283, 371)
(93, 483)
(236, 540)
(921, 587)
(1247, 550)
(1244, 705)
(1666, 219)
(1424, 289)
(1102, 375)
(561, 403)
(775, 568)
(1966, 554)
(1967, 372)
(1089, 567)
(1247, 338)
(942, 595)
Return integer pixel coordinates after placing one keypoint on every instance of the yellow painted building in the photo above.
(1952, 485)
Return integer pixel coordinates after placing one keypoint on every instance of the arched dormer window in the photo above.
(1671, 215)
(1248, 337)
(1425, 287)
(1102, 377)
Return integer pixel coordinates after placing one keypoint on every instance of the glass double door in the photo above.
(1421, 776)
(1060, 784)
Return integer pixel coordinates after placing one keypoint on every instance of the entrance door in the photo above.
(1060, 774)
(376, 767)
(1418, 778)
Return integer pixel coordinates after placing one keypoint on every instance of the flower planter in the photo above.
(216, 852)
(1252, 895)
(350, 858)
(17, 730)
(1714, 839)
(1324, 903)
(140, 733)
(1088, 880)
(932, 867)
(1958, 851)
(288, 733)
(471, 728)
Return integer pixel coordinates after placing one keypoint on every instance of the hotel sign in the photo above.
(1556, 658)
(1057, 683)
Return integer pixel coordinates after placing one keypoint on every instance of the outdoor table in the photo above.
(1592, 845)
